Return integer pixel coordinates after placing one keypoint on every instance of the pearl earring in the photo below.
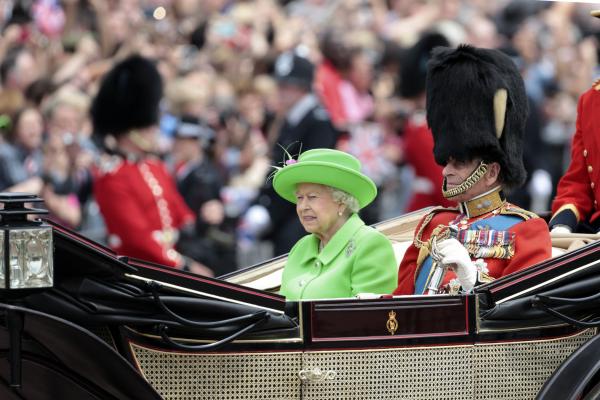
(340, 213)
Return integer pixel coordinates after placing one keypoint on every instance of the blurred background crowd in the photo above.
(226, 112)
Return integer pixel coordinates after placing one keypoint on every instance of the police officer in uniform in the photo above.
(476, 109)
(143, 212)
(306, 126)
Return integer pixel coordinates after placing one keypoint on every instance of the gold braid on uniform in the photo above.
(467, 184)
(417, 240)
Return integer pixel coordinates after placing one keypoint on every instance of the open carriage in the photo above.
(117, 328)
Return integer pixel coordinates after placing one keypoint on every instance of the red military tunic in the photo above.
(525, 241)
(142, 209)
(579, 189)
(418, 150)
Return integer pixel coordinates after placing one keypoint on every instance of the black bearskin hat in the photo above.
(128, 97)
(477, 108)
(413, 69)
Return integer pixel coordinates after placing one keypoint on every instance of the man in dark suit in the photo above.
(306, 125)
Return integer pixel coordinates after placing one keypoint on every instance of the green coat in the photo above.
(357, 259)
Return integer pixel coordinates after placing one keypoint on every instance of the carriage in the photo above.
(111, 327)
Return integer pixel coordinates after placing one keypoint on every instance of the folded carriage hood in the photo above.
(568, 285)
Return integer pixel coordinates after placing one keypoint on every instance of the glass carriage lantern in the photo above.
(26, 247)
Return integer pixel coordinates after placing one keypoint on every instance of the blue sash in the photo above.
(495, 222)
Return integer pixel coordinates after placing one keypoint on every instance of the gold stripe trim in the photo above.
(571, 207)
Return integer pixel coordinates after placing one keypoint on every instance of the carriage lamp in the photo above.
(26, 246)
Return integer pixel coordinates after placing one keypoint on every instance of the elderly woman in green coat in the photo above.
(341, 256)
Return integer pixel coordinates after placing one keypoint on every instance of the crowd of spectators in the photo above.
(222, 105)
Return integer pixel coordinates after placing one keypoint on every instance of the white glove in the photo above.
(455, 255)
(561, 229)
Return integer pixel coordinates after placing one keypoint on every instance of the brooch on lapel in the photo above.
(350, 248)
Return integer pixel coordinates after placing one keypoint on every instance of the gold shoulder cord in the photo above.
(417, 240)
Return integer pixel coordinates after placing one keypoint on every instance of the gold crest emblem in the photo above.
(392, 324)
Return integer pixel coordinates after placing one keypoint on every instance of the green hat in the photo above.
(327, 167)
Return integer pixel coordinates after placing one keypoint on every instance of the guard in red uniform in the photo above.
(575, 206)
(138, 199)
(476, 108)
(578, 191)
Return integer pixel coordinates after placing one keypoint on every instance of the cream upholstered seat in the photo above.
(565, 242)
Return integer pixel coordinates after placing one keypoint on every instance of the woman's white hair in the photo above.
(345, 198)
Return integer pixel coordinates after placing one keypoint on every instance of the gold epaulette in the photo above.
(596, 84)
(417, 240)
(511, 209)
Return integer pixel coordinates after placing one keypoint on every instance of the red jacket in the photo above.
(531, 245)
(418, 150)
(579, 189)
(327, 85)
(142, 209)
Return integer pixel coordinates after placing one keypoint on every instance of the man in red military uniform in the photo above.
(575, 206)
(138, 199)
(578, 191)
(477, 127)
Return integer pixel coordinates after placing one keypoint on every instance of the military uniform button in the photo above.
(590, 169)
(302, 283)
(156, 190)
(585, 153)
(592, 185)
(317, 263)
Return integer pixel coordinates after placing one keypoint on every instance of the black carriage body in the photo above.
(118, 328)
